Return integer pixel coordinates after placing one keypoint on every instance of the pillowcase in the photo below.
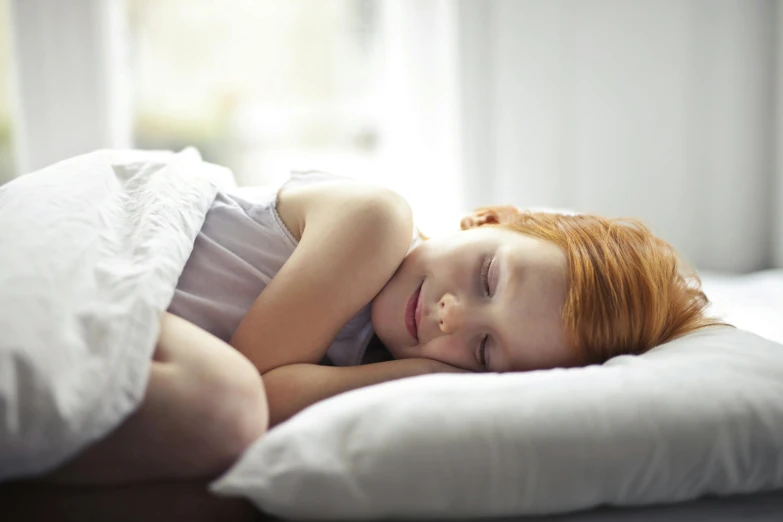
(699, 415)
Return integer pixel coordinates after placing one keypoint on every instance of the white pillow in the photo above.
(699, 415)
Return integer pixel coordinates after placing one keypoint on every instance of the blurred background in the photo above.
(666, 110)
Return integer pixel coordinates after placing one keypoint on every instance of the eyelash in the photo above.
(482, 354)
(483, 351)
(485, 276)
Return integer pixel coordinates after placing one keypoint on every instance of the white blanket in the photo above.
(90, 252)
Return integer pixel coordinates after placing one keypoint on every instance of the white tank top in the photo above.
(242, 244)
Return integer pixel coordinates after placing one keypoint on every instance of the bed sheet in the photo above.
(753, 302)
(757, 507)
(760, 507)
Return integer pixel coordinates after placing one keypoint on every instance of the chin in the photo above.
(383, 321)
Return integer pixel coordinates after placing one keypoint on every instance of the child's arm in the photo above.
(352, 237)
(292, 388)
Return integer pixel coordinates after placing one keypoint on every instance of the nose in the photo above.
(451, 314)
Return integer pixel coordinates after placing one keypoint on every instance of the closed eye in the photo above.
(485, 276)
(481, 356)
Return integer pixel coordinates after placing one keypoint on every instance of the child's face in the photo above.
(485, 287)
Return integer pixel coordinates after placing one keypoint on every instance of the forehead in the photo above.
(519, 251)
(525, 250)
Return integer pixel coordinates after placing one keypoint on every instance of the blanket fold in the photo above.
(91, 249)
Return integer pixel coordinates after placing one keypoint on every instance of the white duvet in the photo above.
(90, 252)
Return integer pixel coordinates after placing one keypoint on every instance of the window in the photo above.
(259, 86)
(7, 166)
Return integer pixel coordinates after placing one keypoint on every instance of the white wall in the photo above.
(777, 192)
(660, 109)
(72, 81)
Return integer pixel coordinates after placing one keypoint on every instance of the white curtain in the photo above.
(776, 237)
(72, 92)
(659, 109)
(667, 110)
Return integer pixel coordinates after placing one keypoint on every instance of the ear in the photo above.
(489, 216)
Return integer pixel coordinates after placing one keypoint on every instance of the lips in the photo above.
(413, 314)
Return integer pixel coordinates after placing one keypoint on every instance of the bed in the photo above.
(735, 443)
(689, 430)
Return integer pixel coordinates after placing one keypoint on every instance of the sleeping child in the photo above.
(294, 295)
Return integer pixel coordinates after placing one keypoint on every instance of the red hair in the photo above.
(628, 290)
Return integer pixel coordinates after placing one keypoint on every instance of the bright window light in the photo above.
(259, 86)
(7, 165)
